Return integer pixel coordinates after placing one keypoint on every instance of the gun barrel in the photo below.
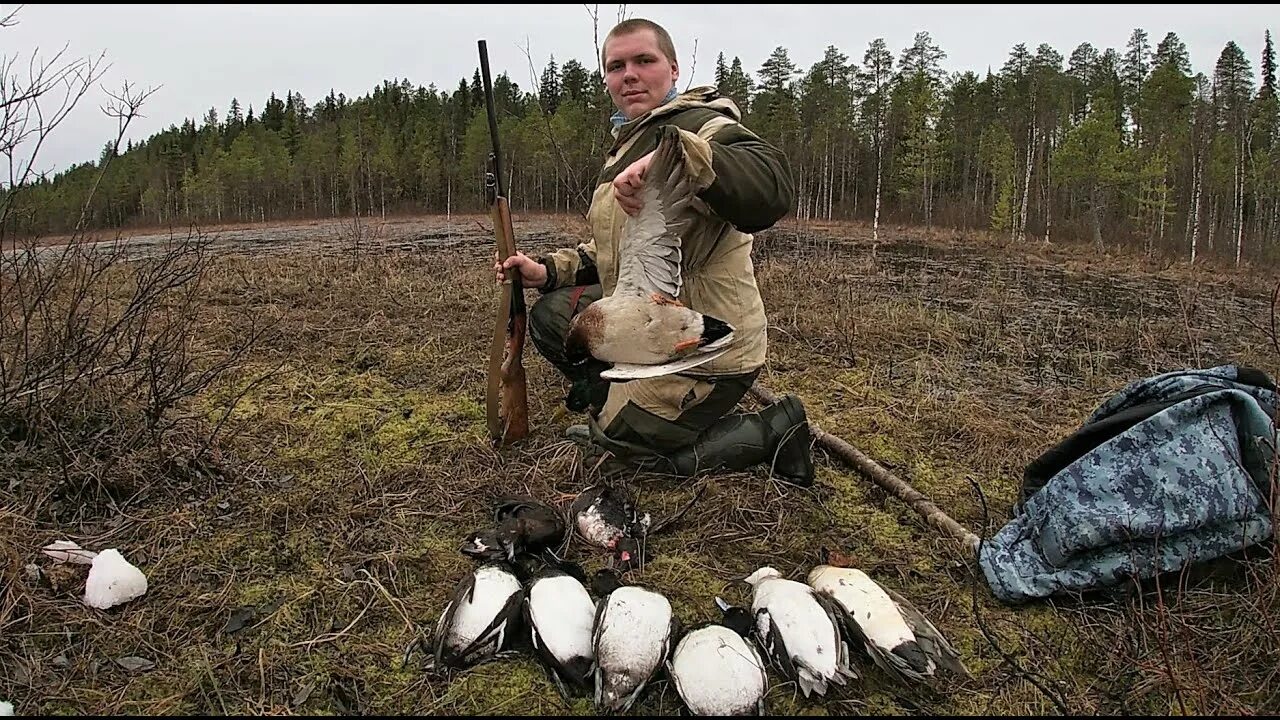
(493, 116)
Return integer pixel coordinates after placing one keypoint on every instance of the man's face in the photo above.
(637, 73)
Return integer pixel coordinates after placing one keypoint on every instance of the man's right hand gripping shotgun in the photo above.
(506, 397)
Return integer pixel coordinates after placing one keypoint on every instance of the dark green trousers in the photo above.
(638, 417)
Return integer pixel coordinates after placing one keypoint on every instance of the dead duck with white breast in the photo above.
(716, 668)
(799, 630)
(898, 638)
(560, 616)
(634, 629)
(480, 618)
(642, 328)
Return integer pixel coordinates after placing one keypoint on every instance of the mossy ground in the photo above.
(357, 458)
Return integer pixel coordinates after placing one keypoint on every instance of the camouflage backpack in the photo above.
(1174, 469)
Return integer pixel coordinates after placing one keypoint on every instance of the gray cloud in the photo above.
(201, 56)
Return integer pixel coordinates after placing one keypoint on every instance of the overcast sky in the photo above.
(202, 56)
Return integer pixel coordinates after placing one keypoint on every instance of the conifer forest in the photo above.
(1114, 146)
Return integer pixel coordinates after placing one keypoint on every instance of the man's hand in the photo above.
(626, 187)
(532, 273)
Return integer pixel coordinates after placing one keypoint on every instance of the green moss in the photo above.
(515, 686)
(311, 417)
(689, 586)
(856, 515)
(392, 428)
(882, 449)
(165, 689)
(412, 366)
(289, 595)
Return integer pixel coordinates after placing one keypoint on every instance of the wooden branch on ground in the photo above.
(932, 514)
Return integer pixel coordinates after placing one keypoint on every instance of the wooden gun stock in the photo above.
(506, 397)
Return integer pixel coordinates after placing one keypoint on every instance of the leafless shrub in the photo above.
(98, 347)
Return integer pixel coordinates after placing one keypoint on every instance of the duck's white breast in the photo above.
(564, 614)
(717, 672)
(868, 604)
(493, 587)
(805, 627)
(637, 622)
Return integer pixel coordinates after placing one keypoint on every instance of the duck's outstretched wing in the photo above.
(649, 253)
(621, 372)
(931, 640)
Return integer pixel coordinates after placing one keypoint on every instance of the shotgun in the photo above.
(506, 397)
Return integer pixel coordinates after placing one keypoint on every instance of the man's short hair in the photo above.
(626, 27)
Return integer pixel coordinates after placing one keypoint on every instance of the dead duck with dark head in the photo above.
(898, 638)
(480, 618)
(606, 515)
(716, 668)
(633, 632)
(560, 615)
(523, 525)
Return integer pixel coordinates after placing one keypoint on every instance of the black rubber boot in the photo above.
(778, 436)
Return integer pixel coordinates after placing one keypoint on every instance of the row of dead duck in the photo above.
(612, 647)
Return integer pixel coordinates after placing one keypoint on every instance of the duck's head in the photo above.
(761, 575)
(605, 581)
(531, 524)
(487, 544)
(570, 568)
(734, 617)
(628, 554)
(525, 566)
(520, 507)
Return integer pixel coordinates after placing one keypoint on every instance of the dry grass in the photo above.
(294, 575)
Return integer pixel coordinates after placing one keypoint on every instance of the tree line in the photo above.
(1114, 147)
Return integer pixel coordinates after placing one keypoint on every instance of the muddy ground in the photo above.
(296, 573)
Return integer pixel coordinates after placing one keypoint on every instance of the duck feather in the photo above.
(650, 249)
(931, 641)
(632, 371)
